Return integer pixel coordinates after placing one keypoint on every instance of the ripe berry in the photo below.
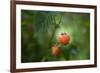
(56, 51)
(64, 39)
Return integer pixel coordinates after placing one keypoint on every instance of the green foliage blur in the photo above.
(41, 29)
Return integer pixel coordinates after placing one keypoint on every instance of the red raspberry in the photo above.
(64, 38)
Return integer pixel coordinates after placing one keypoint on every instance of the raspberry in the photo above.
(56, 51)
(64, 38)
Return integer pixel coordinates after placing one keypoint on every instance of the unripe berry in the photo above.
(56, 51)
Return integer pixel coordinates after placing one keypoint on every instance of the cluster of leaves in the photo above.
(39, 33)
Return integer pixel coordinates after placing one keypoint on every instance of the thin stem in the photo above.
(53, 33)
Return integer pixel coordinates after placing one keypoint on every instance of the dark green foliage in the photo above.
(40, 30)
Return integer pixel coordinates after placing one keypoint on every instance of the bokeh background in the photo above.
(40, 30)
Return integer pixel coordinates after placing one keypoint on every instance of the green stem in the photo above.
(54, 30)
(50, 40)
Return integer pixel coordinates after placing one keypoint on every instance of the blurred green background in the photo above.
(40, 30)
